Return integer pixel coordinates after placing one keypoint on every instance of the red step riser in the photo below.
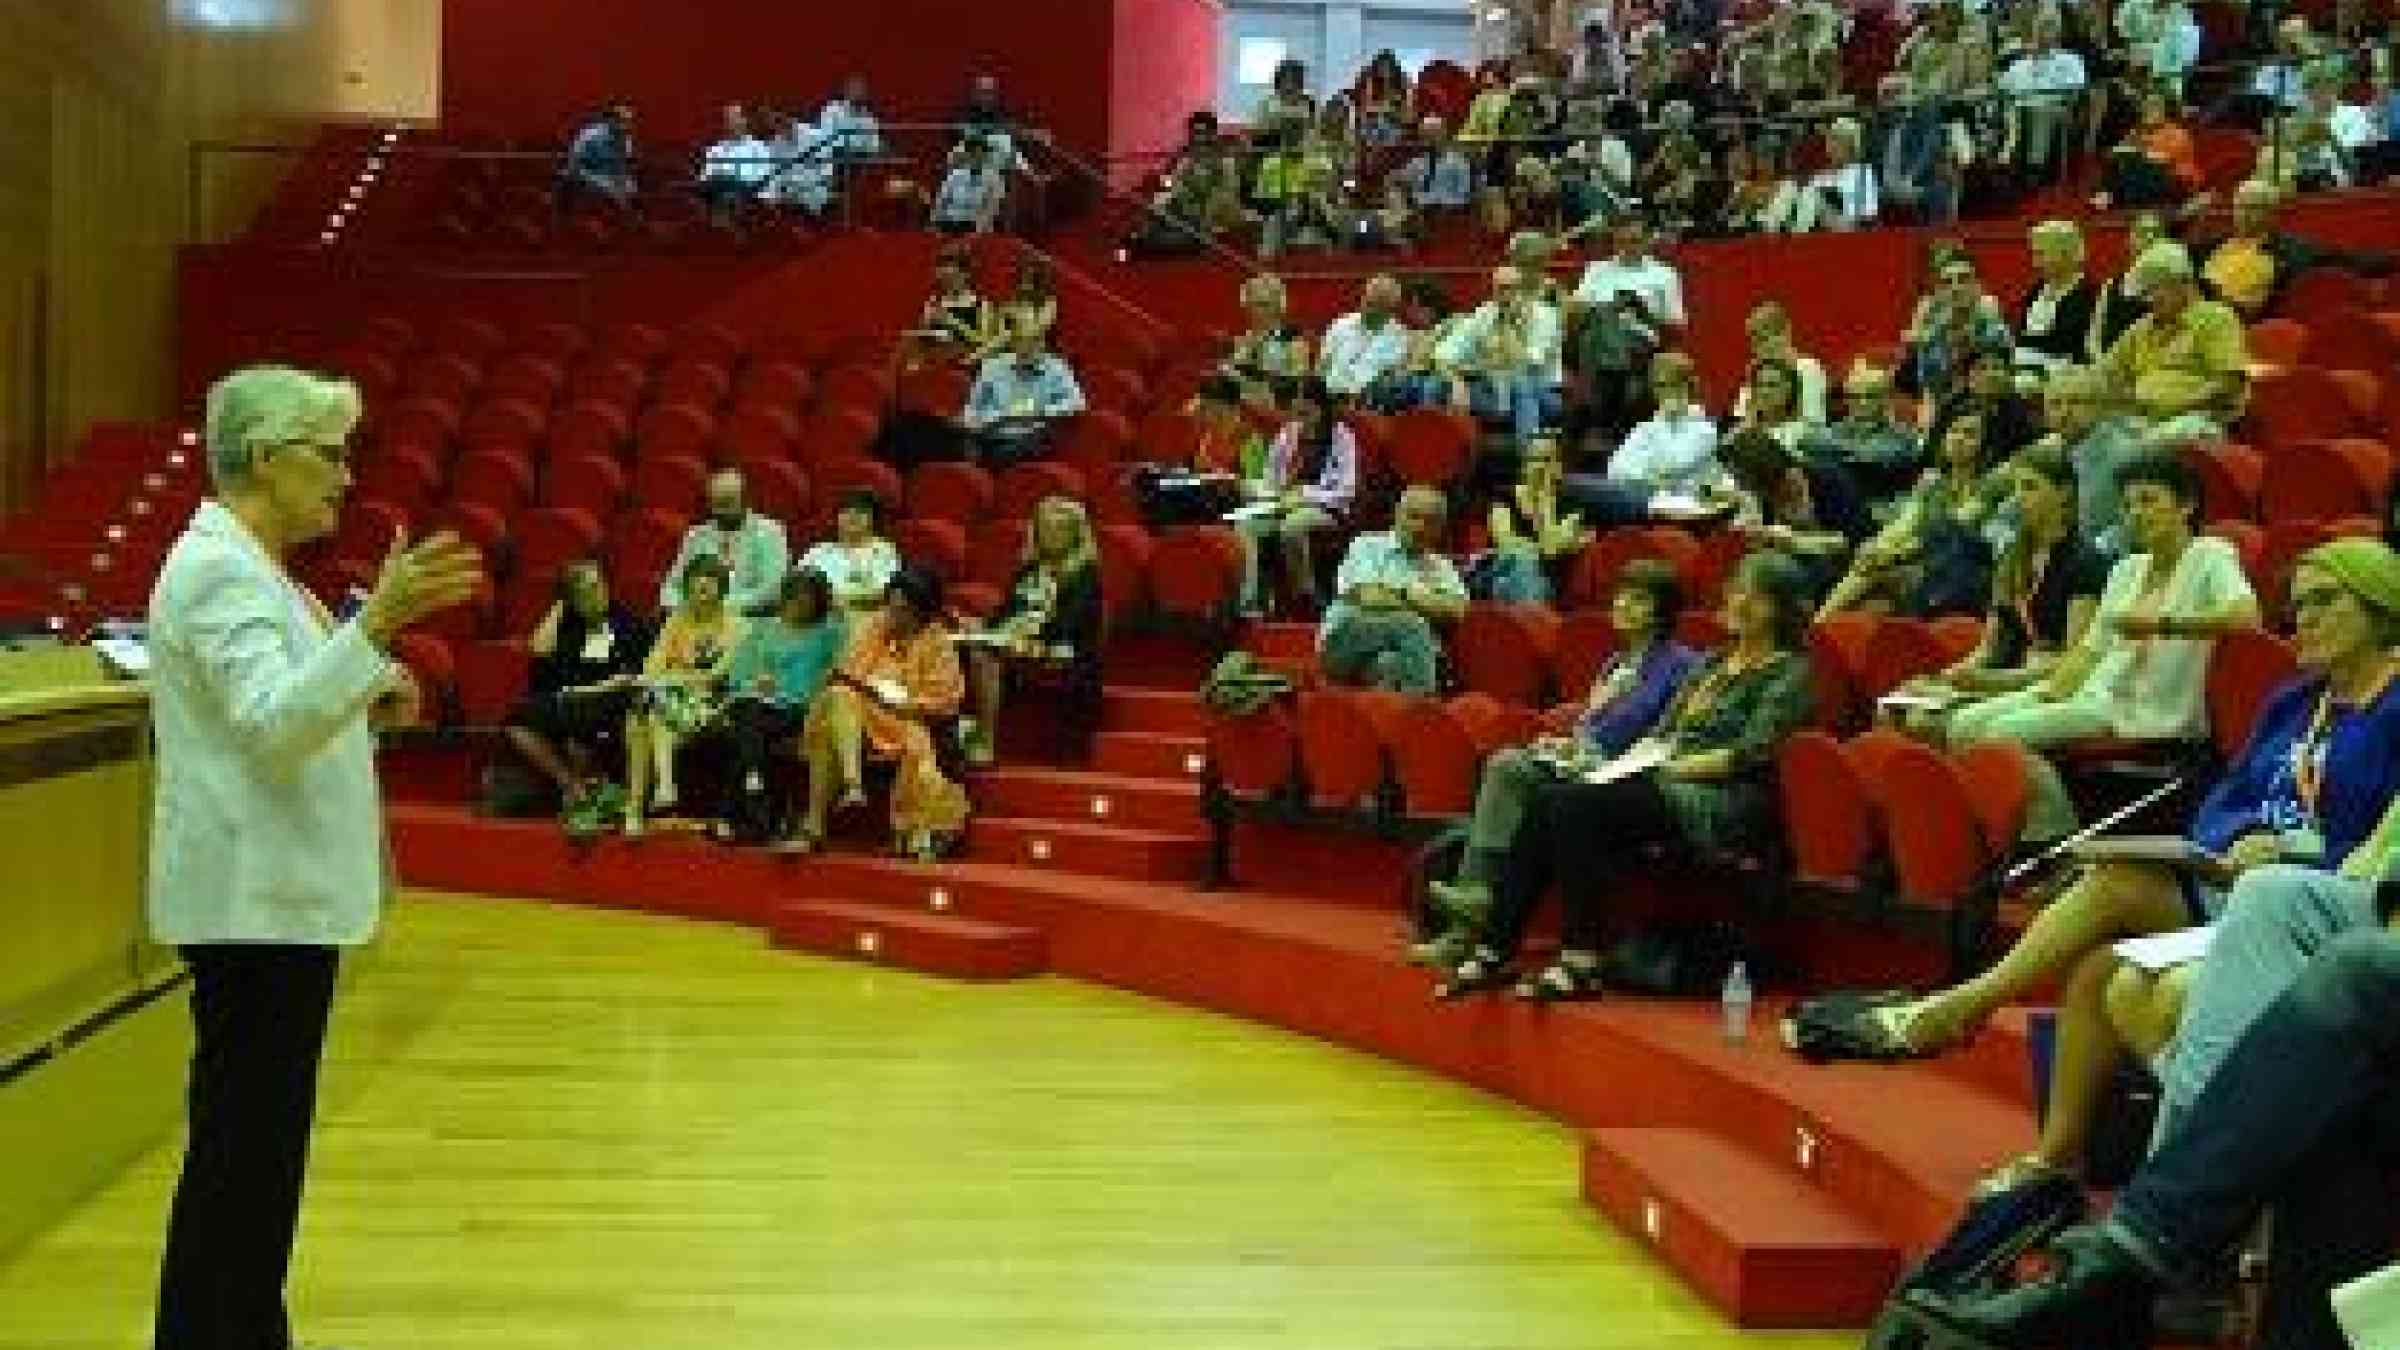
(928, 944)
(1026, 842)
(1173, 713)
(1171, 807)
(1138, 755)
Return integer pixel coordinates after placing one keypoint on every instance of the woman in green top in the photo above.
(776, 672)
(1934, 556)
(1711, 789)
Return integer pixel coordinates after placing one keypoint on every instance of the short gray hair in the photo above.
(2165, 260)
(260, 406)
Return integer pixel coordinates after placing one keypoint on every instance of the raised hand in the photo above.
(420, 580)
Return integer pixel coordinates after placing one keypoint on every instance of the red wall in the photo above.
(528, 69)
(1165, 68)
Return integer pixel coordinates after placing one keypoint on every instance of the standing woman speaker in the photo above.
(267, 846)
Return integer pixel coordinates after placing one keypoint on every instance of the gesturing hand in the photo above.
(419, 580)
(401, 704)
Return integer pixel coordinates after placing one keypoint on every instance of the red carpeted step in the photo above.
(1095, 798)
(1102, 850)
(935, 943)
(1156, 712)
(1142, 754)
(1764, 1246)
(1999, 1060)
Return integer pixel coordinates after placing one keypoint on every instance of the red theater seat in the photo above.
(491, 678)
(595, 482)
(589, 427)
(1196, 571)
(678, 483)
(778, 487)
(1341, 753)
(2326, 480)
(954, 491)
(939, 545)
(758, 431)
(549, 537)
(1255, 755)
(1018, 490)
(1829, 818)
(674, 429)
(1431, 445)
(701, 382)
(1434, 759)
(2231, 476)
(1505, 650)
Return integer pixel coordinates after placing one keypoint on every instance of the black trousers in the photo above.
(258, 1012)
(758, 729)
(1583, 837)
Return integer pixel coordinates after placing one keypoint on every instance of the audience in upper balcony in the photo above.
(749, 544)
(2159, 42)
(1441, 177)
(1307, 491)
(1710, 789)
(2045, 83)
(850, 122)
(2140, 672)
(1628, 695)
(973, 190)
(1199, 199)
(682, 687)
(2054, 324)
(1019, 399)
(1535, 538)
(802, 176)
(1286, 111)
(858, 562)
(586, 652)
(1393, 587)
(2156, 164)
(1839, 196)
(600, 160)
(2251, 264)
(1364, 356)
(2183, 368)
(777, 670)
(1383, 100)
(1052, 619)
(736, 166)
(898, 682)
(1510, 355)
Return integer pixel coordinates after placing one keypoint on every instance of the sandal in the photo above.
(2017, 1173)
(1459, 902)
(1562, 983)
(1443, 953)
(1484, 970)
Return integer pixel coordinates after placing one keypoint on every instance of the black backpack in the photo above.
(1985, 1253)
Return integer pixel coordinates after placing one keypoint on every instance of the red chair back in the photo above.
(1829, 822)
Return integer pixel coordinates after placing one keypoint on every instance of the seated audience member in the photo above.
(1934, 555)
(736, 168)
(1395, 222)
(1393, 587)
(858, 562)
(750, 544)
(900, 677)
(2054, 326)
(1953, 322)
(2045, 87)
(1921, 154)
(2184, 367)
(1872, 445)
(1442, 176)
(1364, 356)
(586, 651)
(2156, 164)
(956, 322)
(2141, 671)
(1200, 197)
(1771, 402)
(777, 670)
(2099, 442)
(1770, 331)
(1019, 399)
(2294, 1120)
(1383, 100)
(1534, 537)
(850, 123)
(1627, 697)
(1227, 441)
(1674, 450)
(1051, 618)
(1712, 791)
(681, 688)
(984, 113)
(802, 176)
(600, 160)
(1272, 351)
(2119, 305)
(972, 191)
(2011, 421)
(1310, 483)
(1839, 196)
(2250, 265)
(1810, 511)
(1625, 308)
(2161, 42)
(2045, 588)
(1431, 319)
(1032, 296)
(1510, 354)
(1286, 109)
(1301, 192)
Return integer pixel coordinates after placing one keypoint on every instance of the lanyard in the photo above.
(2309, 752)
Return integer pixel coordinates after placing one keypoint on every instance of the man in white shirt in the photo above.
(1019, 399)
(1393, 587)
(972, 192)
(736, 167)
(856, 131)
(1841, 196)
(1510, 355)
(750, 544)
(1632, 273)
(1364, 353)
(1676, 449)
(2044, 88)
(267, 853)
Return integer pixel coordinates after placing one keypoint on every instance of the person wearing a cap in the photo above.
(2184, 367)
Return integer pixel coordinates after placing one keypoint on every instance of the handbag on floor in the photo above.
(1985, 1253)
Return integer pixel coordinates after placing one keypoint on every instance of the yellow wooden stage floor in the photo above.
(558, 1129)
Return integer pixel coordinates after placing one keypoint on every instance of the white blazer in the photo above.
(267, 824)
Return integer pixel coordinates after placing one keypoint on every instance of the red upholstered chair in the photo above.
(491, 678)
(1829, 819)
(2356, 339)
(1196, 571)
(778, 488)
(1493, 725)
(594, 482)
(1900, 650)
(446, 375)
(549, 537)
(1125, 554)
(1097, 441)
(1505, 650)
(938, 389)
(1702, 630)
(1341, 752)
(839, 432)
(994, 549)
(367, 528)
(1016, 491)
(526, 375)
(710, 342)
(375, 372)
(2323, 291)
(758, 431)
(589, 427)
(2299, 404)
(2279, 342)
(953, 491)
(929, 542)
(678, 483)
(2231, 476)
(776, 383)
(2326, 480)
(640, 341)
(642, 543)
(1586, 640)
(1169, 435)
(470, 335)
(856, 386)
(1993, 773)
(427, 657)
(674, 429)
(1431, 445)
(2286, 540)
(556, 339)
(1255, 755)
(2250, 542)
(408, 476)
(388, 333)
(420, 420)
(839, 478)
(483, 525)
(610, 378)
(1945, 839)
(1956, 635)
(493, 478)
(1434, 760)
(1113, 388)
(2243, 668)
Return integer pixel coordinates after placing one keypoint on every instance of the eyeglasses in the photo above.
(2317, 597)
(335, 453)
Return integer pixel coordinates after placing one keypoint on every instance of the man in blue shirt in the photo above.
(1019, 399)
(1393, 587)
(600, 159)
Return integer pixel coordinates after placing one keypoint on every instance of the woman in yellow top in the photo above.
(901, 676)
(681, 692)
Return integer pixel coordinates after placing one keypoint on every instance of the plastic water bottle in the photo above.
(1734, 1003)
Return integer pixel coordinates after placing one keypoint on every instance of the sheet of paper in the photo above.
(1640, 757)
(2166, 850)
(1252, 511)
(2165, 951)
(1917, 698)
(2368, 1308)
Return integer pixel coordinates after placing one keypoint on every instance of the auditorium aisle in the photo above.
(560, 1129)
